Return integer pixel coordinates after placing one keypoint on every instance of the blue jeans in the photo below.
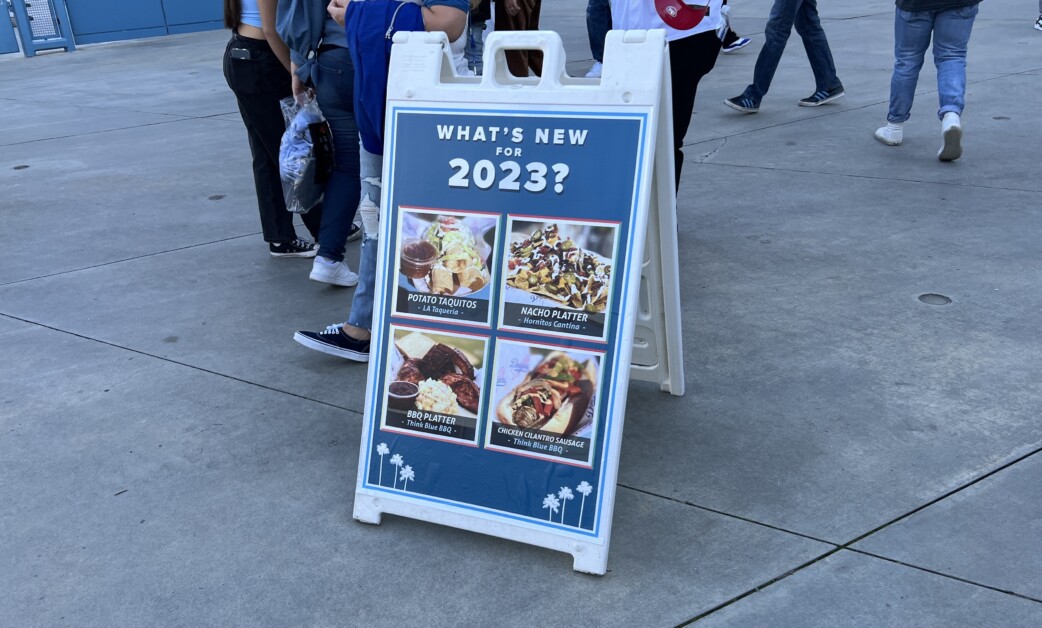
(598, 23)
(951, 35)
(334, 79)
(803, 14)
(362, 304)
(475, 50)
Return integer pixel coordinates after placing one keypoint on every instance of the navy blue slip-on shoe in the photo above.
(335, 342)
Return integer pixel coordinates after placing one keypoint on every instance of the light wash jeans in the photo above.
(951, 35)
(370, 167)
(803, 14)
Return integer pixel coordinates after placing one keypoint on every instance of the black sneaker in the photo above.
(821, 97)
(335, 342)
(293, 248)
(743, 104)
(355, 232)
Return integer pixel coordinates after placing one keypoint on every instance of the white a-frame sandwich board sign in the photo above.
(513, 223)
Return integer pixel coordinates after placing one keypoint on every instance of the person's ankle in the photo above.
(357, 333)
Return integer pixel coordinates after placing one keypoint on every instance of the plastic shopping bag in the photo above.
(306, 154)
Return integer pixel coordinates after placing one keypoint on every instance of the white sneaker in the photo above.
(336, 273)
(595, 70)
(951, 131)
(892, 134)
(1038, 23)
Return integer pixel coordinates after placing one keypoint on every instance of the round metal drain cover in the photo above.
(934, 299)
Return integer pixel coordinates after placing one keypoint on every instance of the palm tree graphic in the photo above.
(397, 461)
(382, 450)
(407, 474)
(564, 495)
(551, 502)
(584, 489)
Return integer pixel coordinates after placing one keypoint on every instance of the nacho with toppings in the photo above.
(548, 265)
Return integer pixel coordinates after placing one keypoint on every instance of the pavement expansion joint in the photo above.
(179, 363)
(761, 587)
(941, 498)
(126, 259)
(944, 575)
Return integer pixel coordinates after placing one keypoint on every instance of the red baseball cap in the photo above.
(680, 15)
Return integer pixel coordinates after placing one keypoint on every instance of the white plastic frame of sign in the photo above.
(634, 87)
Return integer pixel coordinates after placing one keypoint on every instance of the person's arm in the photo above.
(436, 18)
(267, 14)
(445, 18)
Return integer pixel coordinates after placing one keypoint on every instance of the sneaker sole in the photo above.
(321, 279)
(739, 107)
(883, 140)
(729, 50)
(330, 349)
(823, 102)
(307, 254)
(952, 147)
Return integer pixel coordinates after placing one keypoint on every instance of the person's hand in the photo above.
(336, 10)
(512, 7)
(299, 89)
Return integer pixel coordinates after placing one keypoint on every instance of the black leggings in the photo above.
(690, 59)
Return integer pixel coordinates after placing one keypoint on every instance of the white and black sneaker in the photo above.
(355, 233)
(336, 273)
(1038, 23)
(293, 248)
(335, 342)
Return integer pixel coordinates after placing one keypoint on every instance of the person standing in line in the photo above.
(598, 23)
(351, 339)
(803, 14)
(318, 50)
(256, 67)
(693, 52)
(520, 15)
(950, 23)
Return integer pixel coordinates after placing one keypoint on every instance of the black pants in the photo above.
(690, 59)
(259, 83)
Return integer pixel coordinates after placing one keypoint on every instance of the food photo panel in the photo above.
(557, 276)
(443, 265)
(544, 402)
(433, 384)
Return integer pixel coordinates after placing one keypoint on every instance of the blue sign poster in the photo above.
(507, 256)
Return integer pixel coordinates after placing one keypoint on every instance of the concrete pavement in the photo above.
(846, 454)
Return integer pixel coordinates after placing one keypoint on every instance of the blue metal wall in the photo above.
(8, 43)
(110, 20)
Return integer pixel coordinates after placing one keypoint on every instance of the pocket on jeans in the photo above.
(328, 85)
(967, 12)
(244, 76)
